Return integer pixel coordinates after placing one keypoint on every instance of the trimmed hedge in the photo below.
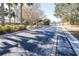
(11, 28)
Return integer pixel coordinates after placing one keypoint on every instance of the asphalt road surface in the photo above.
(46, 41)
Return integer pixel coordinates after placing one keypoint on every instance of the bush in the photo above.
(22, 27)
(8, 28)
(31, 26)
(11, 28)
(2, 30)
(46, 21)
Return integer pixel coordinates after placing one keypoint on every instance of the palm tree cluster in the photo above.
(7, 12)
(27, 14)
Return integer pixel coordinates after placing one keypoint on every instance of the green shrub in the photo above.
(46, 21)
(11, 28)
(2, 30)
(22, 27)
(7, 28)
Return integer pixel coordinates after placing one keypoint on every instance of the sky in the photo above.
(49, 9)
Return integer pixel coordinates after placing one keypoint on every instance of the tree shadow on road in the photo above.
(5, 49)
(32, 47)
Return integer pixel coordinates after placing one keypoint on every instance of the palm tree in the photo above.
(2, 14)
(30, 4)
(14, 13)
(21, 4)
(9, 6)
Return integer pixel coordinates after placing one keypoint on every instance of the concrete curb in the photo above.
(73, 41)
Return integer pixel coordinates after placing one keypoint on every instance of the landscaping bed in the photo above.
(14, 28)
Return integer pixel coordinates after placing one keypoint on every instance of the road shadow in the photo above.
(5, 49)
(32, 47)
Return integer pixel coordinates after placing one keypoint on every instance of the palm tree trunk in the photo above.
(14, 21)
(37, 23)
(21, 12)
(2, 13)
(9, 15)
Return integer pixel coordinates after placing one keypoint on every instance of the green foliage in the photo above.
(46, 21)
(31, 26)
(13, 14)
(11, 28)
(25, 21)
(77, 23)
(66, 19)
(67, 11)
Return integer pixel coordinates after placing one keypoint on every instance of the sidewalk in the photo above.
(73, 40)
(74, 30)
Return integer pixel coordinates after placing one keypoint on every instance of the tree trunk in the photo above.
(21, 12)
(72, 22)
(9, 14)
(14, 20)
(37, 23)
(2, 14)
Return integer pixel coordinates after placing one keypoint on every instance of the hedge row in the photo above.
(11, 28)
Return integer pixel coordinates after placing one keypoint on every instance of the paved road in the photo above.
(45, 41)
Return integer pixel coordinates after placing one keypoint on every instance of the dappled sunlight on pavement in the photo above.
(45, 41)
